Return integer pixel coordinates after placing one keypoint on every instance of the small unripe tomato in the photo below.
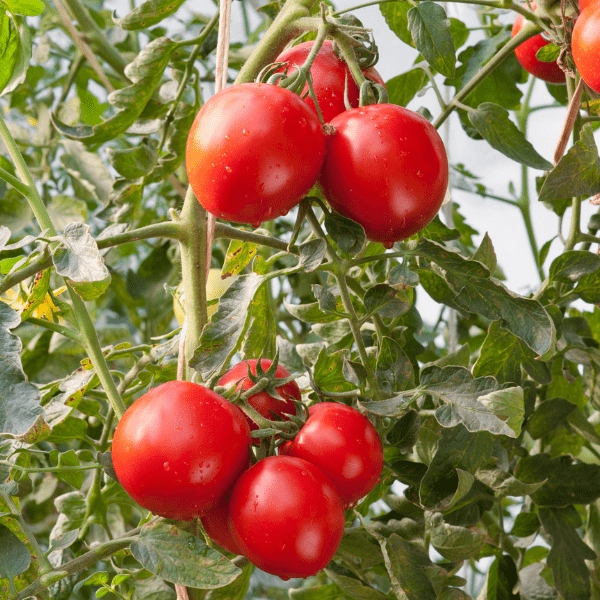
(178, 449)
(344, 445)
(526, 55)
(286, 517)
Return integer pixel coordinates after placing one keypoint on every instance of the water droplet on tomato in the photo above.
(388, 245)
(245, 132)
(228, 169)
(256, 224)
(167, 466)
(227, 137)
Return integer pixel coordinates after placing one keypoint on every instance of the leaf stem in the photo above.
(16, 183)
(66, 331)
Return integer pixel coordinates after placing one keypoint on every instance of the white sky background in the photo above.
(501, 221)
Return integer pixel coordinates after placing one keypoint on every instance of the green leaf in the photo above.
(588, 288)
(486, 254)
(395, 15)
(153, 588)
(533, 584)
(20, 409)
(394, 370)
(148, 14)
(239, 255)
(236, 590)
(568, 553)
(325, 298)
(65, 209)
(503, 354)
(27, 8)
(182, 558)
(99, 578)
(577, 172)
(453, 542)
(320, 592)
(525, 525)
(309, 313)
(145, 72)
(134, 162)
(352, 587)
(327, 372)
(403, 88)
(548, 53)
(568, 482)
(405, 432)
(406, 563)
(571, 266)
(354, 373)
(69, 459)
(78, 259)
(505, 484)
(348, 235)
(223, 333)
(312, 254)
(386, 301)
(430, 29)
(492, 122)
(15, 52)
(547, 416)
(502, 579)
(15, 558)
(261, 334)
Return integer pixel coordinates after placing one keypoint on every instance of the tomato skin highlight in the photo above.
(344, 445)
(264, 404)
(178, 449)
(525, 53)
(385, 168)
(254, 150)
(329, 76)
(286, 517)
(585, 45)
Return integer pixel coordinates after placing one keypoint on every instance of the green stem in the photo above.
(104, 48)
(44, 563)
(7, 463)
(193, 268)
(575, 225)
(528, 30)
(20, 187)
(66, 331)
(281, 31)
(342, 40)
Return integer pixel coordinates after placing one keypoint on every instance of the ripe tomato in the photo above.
(585, 45)
(179, 448)
(344, 445)
(286, 517)
(269, 407)
(329, 76)
(525, 53)
(385, 168)
(253, 151)
(216, 525)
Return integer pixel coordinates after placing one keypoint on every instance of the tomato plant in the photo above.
(253, 151)
(391, 156)
(178, 449)
(286, 517)
(330, 74)
(344, 445)
(585, 45)
(216, 525)
(526, 55)
(267, 405)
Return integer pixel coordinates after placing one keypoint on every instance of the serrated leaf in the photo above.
(492, 122)
(15, 52)
(260, 337)
(403, 88)
(309, 313)
(222, 334)
(20, 409)
(354, 373)
(405, 432)
(453, 542)
(525, 525)
(236, 590)
(327, 372)
(348, 235)
(548, 415)
(568, 553)
(148, 14)
(135, 162)
(78, 259)
(145, 72)
(577, 172)
(27, 8)
(15, 558)
(533, 585)
(325, 298)
(568, 482)
(571, 266)
(486, 254)
(395, 15)
(508, 405)
(182, 558)
(394, 370)
(312, 254)
(505, 484)
(352, 586)
(502, 579)
(239, 255)
(455, 384)
(386, 301)
(430, 30)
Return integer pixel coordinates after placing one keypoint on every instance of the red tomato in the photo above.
(216, 525)
(263, 403)
(525, 53)
(253, 151)
(583, 4)
(344, 445)
(385, 168)
(329, 76)
(286, 517)
(585, 45)
(179, 448)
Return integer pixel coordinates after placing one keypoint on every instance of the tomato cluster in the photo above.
(256, 149)
(182, 451)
